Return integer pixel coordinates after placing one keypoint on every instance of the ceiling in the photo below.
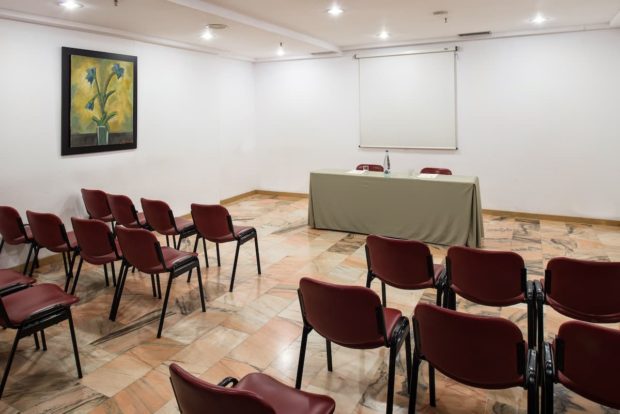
(256, 27)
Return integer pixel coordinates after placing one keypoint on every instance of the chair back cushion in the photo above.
(47, 230)
(96, 203)
(405, 264)
(584, 289)
(435, 170)
(10, 223)
(371, 167)
(346, 315)
(589, 361)
(93, 237)
(211, 221)
(140, 248)
(479, 351)
(122, 209)
(157, 214)
(490, 278)
(196, 396)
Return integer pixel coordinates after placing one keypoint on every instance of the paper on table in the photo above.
(423, 175)
(359, 172)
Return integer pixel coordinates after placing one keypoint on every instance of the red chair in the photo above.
(490, 278)
(371, 167)
(97, 207)
(124, 212)
(434, 170)
(403, 264)
(213, 223)
(584, 358)
(49, 233)
(11, 280)
(96, 246)
(478, 351)
(255, 393)
(160, 217)
(33, 309)
(142, 249)
(15, 232)
(352, 316)
(580, 289)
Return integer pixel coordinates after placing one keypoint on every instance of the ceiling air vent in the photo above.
(328, 53)
(487, 33)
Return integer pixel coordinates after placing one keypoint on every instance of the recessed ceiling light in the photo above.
(383, 34)
(70, 4)
(539, 19)
(280, 51)
(207, 34)
(335, 10)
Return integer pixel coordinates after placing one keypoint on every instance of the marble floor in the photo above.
(258, 327)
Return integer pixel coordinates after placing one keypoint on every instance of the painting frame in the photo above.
(69, 148)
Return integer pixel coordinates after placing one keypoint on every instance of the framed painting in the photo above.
(99, 101)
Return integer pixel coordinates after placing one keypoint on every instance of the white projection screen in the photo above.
(408, 100)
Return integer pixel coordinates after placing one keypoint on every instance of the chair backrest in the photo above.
(588, 361)
(371, 167)
(346, 315)
(158, 214)
(212, 221)
(492, 278)
(196, 396)
(436, 170)
(584, 289)
(122, 209)
(140, 248)
(11, 226)
(47, 230)
(406, 264)
(479, 351)
(96, 203)
(93, 236)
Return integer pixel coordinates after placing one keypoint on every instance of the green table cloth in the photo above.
(443, 210)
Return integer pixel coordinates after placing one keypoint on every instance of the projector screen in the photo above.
(408, 100)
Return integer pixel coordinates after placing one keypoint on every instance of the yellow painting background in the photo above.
(120, 102)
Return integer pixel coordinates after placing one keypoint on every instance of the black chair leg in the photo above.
(189, 275)
(119, 290)
(204, 247)
(532, 399)
(541, 328)
(408, 356)
(413, 387)
(202, 293)
(369, 279)
(438, 298)
(217, 249)
(232, 280)
(431, 384)
(165, 305)
(75, 347)
(36, 341)
(328, 346)
(1, 245)
(9, 362)
(383, 294)
(64, 262)
(35, 260)
(167, 241)
(27, 258)
(174, 242)
(302, 357)
(153, 285)
(389, 405)
(158, 286)
(77, 276)
(113, 274)
(43, 343)
(531, 321)
(105, 273)
(257, 254)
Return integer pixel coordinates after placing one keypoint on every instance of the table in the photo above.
(443, 210)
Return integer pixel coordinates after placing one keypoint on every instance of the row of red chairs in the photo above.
(425, 170)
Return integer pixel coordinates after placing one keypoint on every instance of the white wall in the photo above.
(195, 123)
(538, 122)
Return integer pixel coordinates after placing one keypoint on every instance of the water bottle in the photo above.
(386, 162)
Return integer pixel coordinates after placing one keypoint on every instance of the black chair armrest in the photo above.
(530, 291)
(548, 363)
(442, 280)
(539, 292)
(227, 381)
(531, 369)
(7, 290)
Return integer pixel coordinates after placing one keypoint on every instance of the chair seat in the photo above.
(392, 317)
(10, 277)
(103, 259)
(285, 399)
(172, 257)
(137, 224)
(21, 305)
(182, 225)
(240, 231)
(576, 314)
(63, 247)
(21, 239)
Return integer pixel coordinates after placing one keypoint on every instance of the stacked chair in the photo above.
(436, 170)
